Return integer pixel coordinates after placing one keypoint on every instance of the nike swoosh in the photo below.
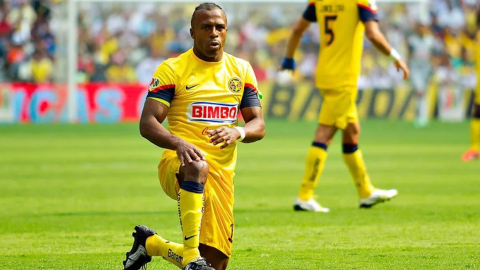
(141, 251)
(190, 87)
(186, 238)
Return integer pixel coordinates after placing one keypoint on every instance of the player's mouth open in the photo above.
(214, 45)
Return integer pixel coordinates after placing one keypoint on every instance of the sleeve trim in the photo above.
(367, 8)
(161, 100)
(251, 86)
(250, 97)
(310, 14)
(163, 87)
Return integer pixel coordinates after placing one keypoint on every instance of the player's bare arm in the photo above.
(254, 129)
(153, 115)
(373, 33)
(297, 32)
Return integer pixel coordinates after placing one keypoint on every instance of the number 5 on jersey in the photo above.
(328, 30)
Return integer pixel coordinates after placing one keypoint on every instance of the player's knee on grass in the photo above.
(476, 111)
(196, 171)
(215, 257)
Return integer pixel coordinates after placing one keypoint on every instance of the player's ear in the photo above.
(192, 34)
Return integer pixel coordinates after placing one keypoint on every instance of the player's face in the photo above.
(209, 32)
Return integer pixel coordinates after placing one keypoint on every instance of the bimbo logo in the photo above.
(225, 113)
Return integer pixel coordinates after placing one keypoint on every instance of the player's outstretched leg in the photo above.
(314, 163)
(148, 244)
(137, 257)
(473, 153)
(367, 193)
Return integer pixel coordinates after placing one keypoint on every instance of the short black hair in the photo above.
(205, 6)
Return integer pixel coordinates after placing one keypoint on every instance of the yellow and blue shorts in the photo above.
(339, 107)
(217, 221)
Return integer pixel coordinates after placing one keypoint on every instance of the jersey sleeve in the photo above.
(162, 86)
(250, 92)
(309, 14)
(367, 10)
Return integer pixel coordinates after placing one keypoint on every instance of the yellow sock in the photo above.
(170, 251)
(354, 160)
(190, 209)
(475, 133)
(316, 157)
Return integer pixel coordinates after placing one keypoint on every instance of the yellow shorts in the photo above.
(217, 221)
(338, 107)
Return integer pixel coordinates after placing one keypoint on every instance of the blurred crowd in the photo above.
(449, 25)
(27, 45)
(125, 42)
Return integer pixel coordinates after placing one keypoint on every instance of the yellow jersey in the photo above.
(204, 96)
(41, 70)
(341, 39)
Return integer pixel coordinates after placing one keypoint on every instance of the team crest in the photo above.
(154, 84)
(235, 85)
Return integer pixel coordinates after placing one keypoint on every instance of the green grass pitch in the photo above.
(70, 196)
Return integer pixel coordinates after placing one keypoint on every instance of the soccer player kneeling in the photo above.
(201, 91)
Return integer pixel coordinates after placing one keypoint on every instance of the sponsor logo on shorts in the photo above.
(212, 112)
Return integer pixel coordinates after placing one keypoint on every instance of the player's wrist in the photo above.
(177, 142)
(394, 55)
(288, 63)
(242, 132)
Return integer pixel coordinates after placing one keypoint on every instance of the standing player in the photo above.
(201, 91)
(342, 24)
(421, 46)
(473, 152)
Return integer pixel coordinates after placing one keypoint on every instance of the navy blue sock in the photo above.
(320, 145)
(192, 186)
(349, 148)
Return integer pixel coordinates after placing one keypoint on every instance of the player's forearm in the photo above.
(297, 32)
(254, 130)
(293, 42)
(153, 131)
(379, 42)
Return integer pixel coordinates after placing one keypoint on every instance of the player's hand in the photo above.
(401, 65)
(287, 64)
(188, 153)
(224, 134)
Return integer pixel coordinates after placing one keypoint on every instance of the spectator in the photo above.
(148, 66)
(120, 71)
(41, 67)
(452, 17)
(146, 33)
